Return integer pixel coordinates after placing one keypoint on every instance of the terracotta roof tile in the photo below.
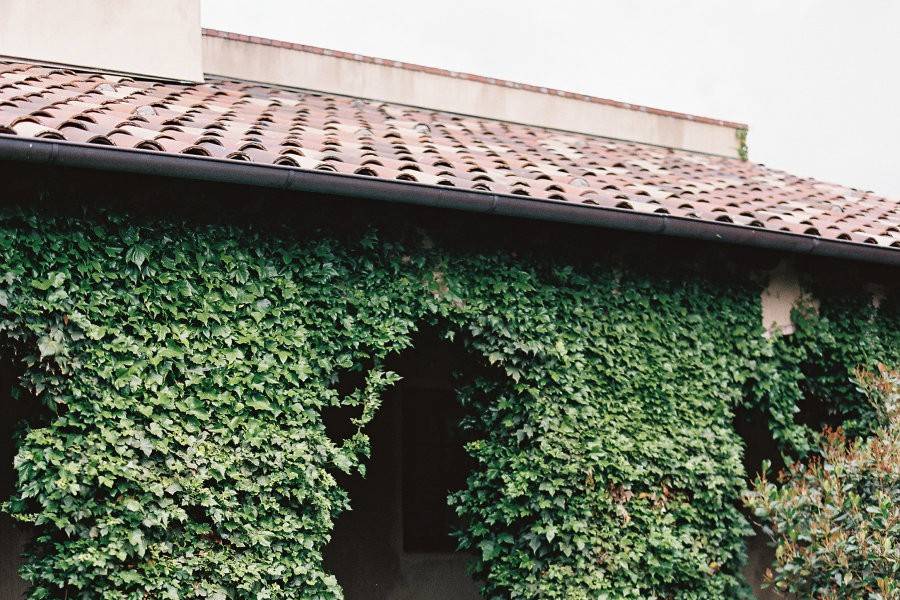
(271, 125)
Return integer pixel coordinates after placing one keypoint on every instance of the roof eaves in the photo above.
(184, 166)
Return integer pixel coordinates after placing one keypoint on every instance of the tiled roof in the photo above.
(262, 124)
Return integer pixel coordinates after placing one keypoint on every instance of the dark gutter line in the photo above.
(201, 168)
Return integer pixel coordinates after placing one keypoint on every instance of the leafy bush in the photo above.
(836, 520)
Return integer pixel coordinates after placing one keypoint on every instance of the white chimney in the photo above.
(156, 38)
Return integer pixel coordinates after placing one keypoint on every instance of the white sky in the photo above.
(818, 81)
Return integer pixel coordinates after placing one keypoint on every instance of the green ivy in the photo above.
(814, 366)
(186, 368)
(743, 150)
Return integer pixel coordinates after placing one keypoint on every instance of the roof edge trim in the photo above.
(200, 168)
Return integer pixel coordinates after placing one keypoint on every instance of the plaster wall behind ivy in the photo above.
(185, 363)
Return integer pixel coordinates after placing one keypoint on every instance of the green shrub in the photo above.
(835, 521)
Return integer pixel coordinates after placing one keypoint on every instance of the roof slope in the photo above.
(262, 124)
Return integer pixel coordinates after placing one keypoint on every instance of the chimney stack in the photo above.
(154, 38)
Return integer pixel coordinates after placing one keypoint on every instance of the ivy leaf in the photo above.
(54, 280)
(137, 254)
(136, 537)
(488, 549)
(550, 533)
(48, 346)
(260, 404)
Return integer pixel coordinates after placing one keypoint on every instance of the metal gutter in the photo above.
(201, 168)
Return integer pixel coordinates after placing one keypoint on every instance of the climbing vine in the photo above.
(814, 367)
(185, 368)
(743, 150)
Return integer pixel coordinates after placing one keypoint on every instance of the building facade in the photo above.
(265, 307)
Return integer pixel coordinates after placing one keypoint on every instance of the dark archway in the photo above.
(395, 542)
(14, 536)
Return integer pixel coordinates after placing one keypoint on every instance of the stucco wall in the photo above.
(781, 295)
(160, 38)
(290, 67)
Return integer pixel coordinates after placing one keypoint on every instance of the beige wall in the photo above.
(296, 68)
(781, 294)
(159, 38)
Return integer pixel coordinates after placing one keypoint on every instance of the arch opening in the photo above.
(396, 540)
(17, 412)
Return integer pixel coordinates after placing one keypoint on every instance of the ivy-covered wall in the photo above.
(185, 368)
